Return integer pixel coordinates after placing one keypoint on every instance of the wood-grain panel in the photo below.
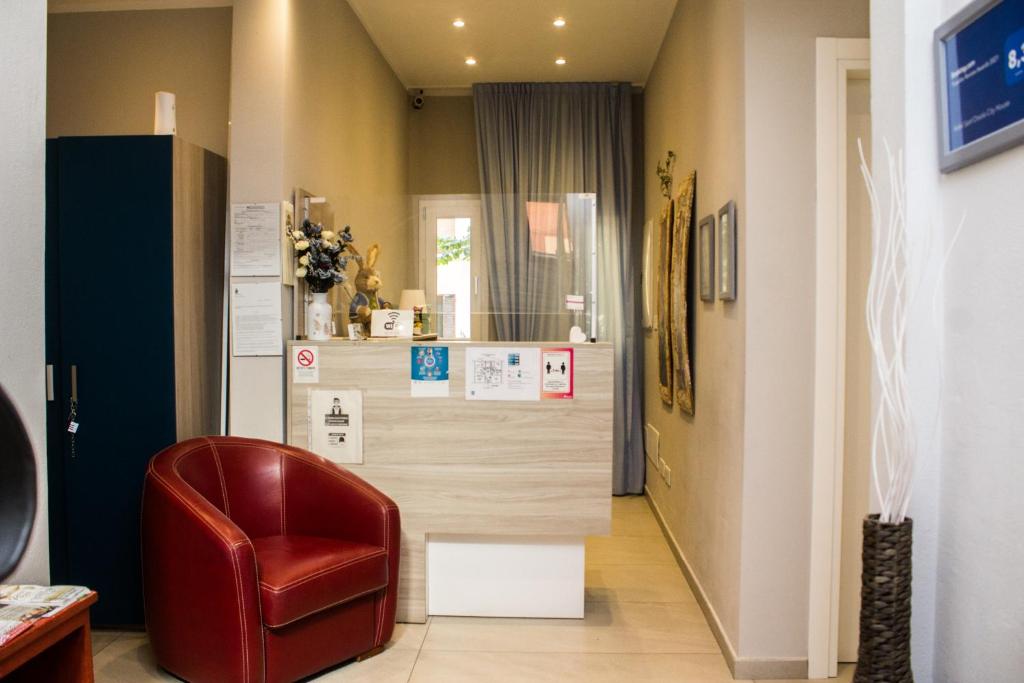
(199, 214)
(472, 467)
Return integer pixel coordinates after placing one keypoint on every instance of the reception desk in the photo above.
(501, 492)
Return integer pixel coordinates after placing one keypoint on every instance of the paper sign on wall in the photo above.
(256, 319)
(336, 424)
(256, 239)
(429, 371)
(502, 374)
(574, 302)
(305, 365)
(557, 373)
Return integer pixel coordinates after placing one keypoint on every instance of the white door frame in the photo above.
(838, 59)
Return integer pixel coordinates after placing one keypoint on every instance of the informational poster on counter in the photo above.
(256, 319)
(336, 424)
(305, 365)
(256, 239)
(502, 374)
(428, 369)
(556, 373)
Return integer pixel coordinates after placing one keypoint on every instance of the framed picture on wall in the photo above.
(706, 237)
(648, 273)
(727, 252)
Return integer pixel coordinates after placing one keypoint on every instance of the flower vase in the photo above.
(319, 318)
(884, 653)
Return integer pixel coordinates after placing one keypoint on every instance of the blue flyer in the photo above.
(429, 371)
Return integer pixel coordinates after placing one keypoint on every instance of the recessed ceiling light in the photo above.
(559, 22)
(560, 61)
(471, 61)
(458, 23)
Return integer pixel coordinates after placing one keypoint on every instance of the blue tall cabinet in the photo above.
(135, 284)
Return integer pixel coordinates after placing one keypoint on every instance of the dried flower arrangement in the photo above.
(323, 255)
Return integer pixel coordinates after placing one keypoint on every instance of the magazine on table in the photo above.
(21, 605)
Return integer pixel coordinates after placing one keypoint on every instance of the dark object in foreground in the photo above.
(17, 486)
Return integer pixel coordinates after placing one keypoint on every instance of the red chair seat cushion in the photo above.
(302, 575)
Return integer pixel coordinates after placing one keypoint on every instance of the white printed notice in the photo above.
(256, 239)
(502, 374)
(336, 424)
(256, 319)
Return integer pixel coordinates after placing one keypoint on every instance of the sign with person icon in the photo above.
(556, 373)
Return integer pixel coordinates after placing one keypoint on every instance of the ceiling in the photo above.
(514, 40)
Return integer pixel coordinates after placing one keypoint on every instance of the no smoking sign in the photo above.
(305, 365)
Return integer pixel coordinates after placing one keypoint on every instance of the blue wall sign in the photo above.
(981, 79)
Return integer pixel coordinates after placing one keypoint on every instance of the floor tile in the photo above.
(845, 676)
(637, 583)
(391, 666)
(128, 660)
(608, 627)
(407, 637)
(631, 516)
(456, 667)
(602, 550)
(100, 639)
(642, 623)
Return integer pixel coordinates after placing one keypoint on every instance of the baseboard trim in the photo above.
(743, 668)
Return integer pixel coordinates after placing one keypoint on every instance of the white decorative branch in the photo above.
(892, 445)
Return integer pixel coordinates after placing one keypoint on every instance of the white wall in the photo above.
(968, 605)
(22, 176)
(259, 40)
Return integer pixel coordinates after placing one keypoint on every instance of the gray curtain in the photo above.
(538, 142)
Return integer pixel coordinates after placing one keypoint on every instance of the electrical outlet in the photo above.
(652, 444)
(666, 473)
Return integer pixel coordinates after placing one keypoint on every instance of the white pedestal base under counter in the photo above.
(505, 576)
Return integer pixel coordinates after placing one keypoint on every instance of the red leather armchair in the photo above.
(263, 563)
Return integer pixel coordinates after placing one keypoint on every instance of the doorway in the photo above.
(842, 396)
(451, 266)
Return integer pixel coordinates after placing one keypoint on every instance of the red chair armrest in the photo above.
(200, 583)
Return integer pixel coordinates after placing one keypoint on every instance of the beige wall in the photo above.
(442, 147)
(314, 105)
(693, 105)
(105, 66)
(779, 223)
(732, 93)
(346, 124)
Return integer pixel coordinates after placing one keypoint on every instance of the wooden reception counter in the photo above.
(504, 491)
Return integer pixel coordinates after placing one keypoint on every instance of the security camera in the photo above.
(417, 100)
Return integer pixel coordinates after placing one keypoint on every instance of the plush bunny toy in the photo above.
(367, 284)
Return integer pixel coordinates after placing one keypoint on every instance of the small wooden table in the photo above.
(57, 648)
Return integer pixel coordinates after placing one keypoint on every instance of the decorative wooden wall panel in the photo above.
(199, 223)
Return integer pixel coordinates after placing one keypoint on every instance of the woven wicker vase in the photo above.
(884, 652)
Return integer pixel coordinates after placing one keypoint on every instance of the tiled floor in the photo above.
(642, 624)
